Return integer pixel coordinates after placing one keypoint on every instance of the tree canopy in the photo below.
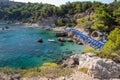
(116, 14)
(113, 43)
(36, 11)
(105, 14)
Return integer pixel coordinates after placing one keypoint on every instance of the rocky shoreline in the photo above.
(100, 68)
(62, 34)
(97, 69)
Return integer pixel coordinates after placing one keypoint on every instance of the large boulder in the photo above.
(98, 67)
(68, 52)
(61, 34)
(61, 44)
(80, 43)
(16, 76)
(40, 40)
(9, 76)
(61, 39)
(70, 40)
(104, 68)
(6, 27)
(73, 61)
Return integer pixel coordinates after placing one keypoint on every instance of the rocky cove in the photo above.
(95, 68)
(19, 43)
(33, 46)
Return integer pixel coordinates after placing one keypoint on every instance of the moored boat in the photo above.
(51, 40)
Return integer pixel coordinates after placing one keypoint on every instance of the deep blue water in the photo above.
(19, 47)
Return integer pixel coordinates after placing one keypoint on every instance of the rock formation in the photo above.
(9, 76)
(40, 40)
(61, 34)
(97, 67)
(61, 39)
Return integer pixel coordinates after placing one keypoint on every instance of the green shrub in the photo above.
(7, 70)
(99, 26)
(84, 23)
(70, 25)
(49, 65)
(112, 47)
(112, 56)
(113, 43)
(84, 70)
(92, 50)
(59, 23)
(47, 70)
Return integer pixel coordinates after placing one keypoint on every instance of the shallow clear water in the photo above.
(19, 47)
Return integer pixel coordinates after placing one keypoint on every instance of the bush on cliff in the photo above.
(116, 14)
(92, 50)
(112, 46)
(111, 49)
(84, 23)
(113, 43)
(99, 26)
(59, 23)
(46, 70)
(84, 70)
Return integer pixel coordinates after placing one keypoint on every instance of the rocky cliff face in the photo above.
(9, 76)
(97, 67)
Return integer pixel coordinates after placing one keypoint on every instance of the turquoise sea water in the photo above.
(19, 47)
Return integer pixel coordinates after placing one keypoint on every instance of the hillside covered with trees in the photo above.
(34, 12)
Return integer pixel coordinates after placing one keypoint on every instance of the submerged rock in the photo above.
(79, 43)
(3, 28)
(6, 27)
(61, 39)
(40, 40)
(48, 28)
(68, 52)
(61, 44)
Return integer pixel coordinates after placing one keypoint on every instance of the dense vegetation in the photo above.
(106, 18)
(47, 70)
(37, 11)
(105, 14)
(112, 46)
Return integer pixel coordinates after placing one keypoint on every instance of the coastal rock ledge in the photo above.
(97, 67)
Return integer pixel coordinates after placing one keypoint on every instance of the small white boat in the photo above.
(51, 40)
